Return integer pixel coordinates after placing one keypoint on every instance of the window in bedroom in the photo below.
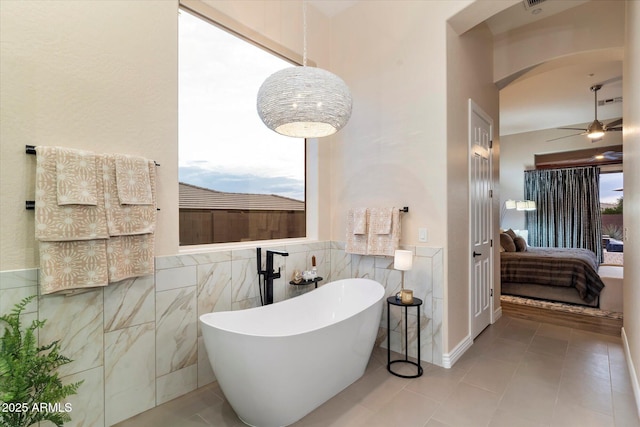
(611, 189)
(239, 181)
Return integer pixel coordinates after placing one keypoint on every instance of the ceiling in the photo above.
(555, 94)
(332, 7)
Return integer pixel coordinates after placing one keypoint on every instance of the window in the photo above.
(239, 181)
(611, 187)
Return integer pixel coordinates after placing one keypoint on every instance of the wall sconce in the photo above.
(403, 261)
(521, 205)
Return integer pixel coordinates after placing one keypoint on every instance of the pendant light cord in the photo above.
(304, 33)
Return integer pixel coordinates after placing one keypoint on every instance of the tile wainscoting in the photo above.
(137, 343)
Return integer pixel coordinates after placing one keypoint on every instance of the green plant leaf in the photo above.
(28, 373)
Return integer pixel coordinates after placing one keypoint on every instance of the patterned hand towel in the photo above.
(385, 244)
(380, 220)
(72, 265)
(68, 222)
(356, 242)
(133, 181)
(76, 177)
(130, 256)
(124, 220)
(360, 220)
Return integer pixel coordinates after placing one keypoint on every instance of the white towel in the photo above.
(356, 241)
(76, 173)
(67, 222)
(133, 181)
(384, 244)
(123, 220)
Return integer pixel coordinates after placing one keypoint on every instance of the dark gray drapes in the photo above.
(567, 211)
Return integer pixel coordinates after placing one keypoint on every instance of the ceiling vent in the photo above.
(532, 4)
(616, 100)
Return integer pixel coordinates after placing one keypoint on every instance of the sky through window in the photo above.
(223, 144)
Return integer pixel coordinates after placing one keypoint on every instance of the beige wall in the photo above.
(396, 148)
(631, 135)
(469, 75)
(97, 75)
(393, 150)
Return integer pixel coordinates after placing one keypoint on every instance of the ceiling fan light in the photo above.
(595, 130)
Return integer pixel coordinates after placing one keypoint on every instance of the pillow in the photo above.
(511, 234)
(507, 243)
(521, 244)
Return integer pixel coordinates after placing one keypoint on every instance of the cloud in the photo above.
(608, 183)
(223, 144)
(242, 183)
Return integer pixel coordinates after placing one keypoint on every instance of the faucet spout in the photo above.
(282, 253)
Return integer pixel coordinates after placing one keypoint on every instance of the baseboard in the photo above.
(449, 359)
(497, 314)
(632, 371)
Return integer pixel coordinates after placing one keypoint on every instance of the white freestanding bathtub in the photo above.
(277, 363)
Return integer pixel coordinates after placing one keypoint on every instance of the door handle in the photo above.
(475, 254)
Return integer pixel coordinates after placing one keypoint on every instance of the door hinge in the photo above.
(491, 292)
(491, 143)
(490, 193)
(491, 242)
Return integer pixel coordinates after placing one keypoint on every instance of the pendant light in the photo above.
(304, 102)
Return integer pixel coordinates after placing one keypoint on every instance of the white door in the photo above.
(480, 193)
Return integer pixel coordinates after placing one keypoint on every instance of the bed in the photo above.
(556, 274)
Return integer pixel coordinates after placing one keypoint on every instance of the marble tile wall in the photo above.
(426, 279)
(137, 343)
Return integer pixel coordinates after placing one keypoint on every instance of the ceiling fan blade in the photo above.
(562, 137)
(611, 80)
(613, 130)
(614, 123)
(582, 129)
(612, 155)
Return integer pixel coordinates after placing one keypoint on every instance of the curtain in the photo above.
(567, 211)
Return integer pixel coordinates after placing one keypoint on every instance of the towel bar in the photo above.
(31, 149)
(31, 205)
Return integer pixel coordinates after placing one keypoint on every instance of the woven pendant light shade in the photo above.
(304, 102)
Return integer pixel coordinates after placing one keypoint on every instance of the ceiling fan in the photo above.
(596, 130)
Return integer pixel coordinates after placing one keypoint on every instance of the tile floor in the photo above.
(518, 373)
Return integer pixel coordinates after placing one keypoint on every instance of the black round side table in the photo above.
(417, 302)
